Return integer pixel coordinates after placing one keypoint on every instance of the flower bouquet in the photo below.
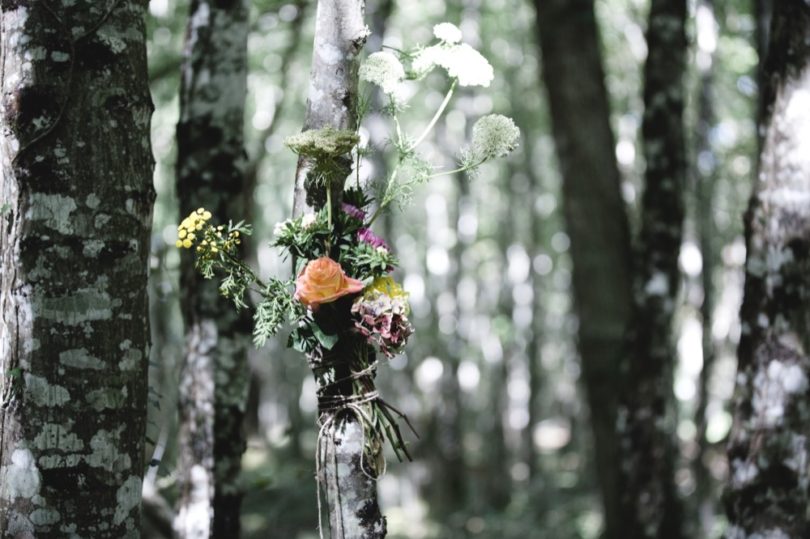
(344, 307)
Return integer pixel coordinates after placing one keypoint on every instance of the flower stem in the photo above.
(329, 215)
(435, 118)
(457, 170)
(384, 202)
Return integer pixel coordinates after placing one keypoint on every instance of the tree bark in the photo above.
(595, 217)
(767, 491)
(351, 492)
(210, 173)
(77, 195)
(646, 422)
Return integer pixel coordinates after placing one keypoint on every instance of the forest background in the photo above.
(491, 380)
(576, 305)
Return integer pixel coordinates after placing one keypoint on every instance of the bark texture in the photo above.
(767, 492)
(651, 507)
(76, 190)
(210, 173)
(595, 218)
(340, 33)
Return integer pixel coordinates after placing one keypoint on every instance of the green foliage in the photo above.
(413, 171)
(276, 308)
(366, 261)
(235, 285)
(304, 238)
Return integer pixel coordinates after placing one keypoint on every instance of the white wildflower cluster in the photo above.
(447, 32)
(383, 69)
(494, 136)
(461, 61)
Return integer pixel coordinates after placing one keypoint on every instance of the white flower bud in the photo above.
(493, 136)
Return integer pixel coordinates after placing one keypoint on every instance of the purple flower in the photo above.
(367, 236)
(353, 211)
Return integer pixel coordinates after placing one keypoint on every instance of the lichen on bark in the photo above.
(210, 173)
(767, 492)
(76, 173)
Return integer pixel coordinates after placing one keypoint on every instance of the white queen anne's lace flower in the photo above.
(447, 32)
(383, 69)
(493, 136)
(425, 60)
(461, 61)
(468, 65)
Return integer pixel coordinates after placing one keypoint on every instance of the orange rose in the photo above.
(323, 281)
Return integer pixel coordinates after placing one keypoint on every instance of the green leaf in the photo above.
(326, 341)
(297, 341)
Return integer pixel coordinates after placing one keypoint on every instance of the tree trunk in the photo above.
(651, 506)
(704, 167)
(767, 492)
(210, 174)
(351, 491)
(595, 217)
(763, 14)
(76, 190)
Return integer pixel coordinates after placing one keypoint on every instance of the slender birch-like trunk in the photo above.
(596, 219)
(767, 491)
(210, 173)
(646, 423)
(76, 201)
(351, 490)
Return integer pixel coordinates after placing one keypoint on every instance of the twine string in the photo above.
(360, 404)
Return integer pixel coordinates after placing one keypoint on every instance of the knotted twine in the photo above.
(330, 407)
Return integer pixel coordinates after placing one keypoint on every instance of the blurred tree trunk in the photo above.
(210, 174)
(704, 172)
(595, 216)
(646, 422)
(767, 492)
(76, 196)
(351, 492)
(763, 13)
(289, 377)
(535, 341)
(497, 477)
(257, 153)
